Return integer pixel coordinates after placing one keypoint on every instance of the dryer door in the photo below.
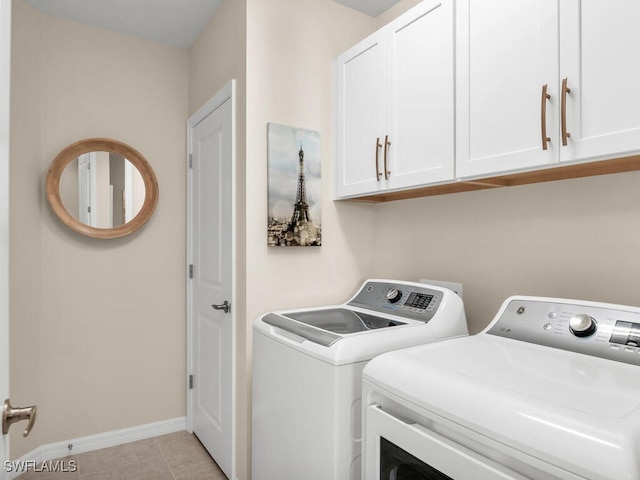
(395, 450)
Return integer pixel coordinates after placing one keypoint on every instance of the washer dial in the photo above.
(393, 295)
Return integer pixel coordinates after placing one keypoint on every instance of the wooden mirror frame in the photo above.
(73, 151)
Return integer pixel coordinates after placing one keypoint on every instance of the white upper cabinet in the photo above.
(586, 53)
(395, 104)
(360, 116)
(506, 52)
(421, 96)
(600, 58)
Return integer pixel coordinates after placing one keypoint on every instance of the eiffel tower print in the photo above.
(301, 229)
(298, 227)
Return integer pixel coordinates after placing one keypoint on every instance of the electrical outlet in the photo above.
(453, 286)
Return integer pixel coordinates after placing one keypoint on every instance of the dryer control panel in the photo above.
(408, 300)
(600, 330)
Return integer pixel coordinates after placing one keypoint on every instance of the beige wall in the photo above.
(290, 48)
(572, 238)
(283, 52)
(395, 11)
(285, 63)
(72, 346)
(93, 364)
(218, 55)
(64, 72)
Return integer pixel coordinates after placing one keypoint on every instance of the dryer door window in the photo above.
(398, 464)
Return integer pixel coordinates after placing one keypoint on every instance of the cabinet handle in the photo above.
(387, 144)
(563, 109)
(543, 117)
(378, 147)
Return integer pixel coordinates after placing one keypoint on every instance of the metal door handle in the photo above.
(378, 147)
(225, 307)
(563, 110)
(12, 415)
(543, 117)
(387, 144)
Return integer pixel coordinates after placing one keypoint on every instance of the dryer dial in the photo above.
(582, 325)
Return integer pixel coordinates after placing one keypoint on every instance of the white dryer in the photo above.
(307, 367)
(549, 390)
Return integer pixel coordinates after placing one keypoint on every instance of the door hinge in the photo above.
(191, 160)
(191, 270)
(190, 382)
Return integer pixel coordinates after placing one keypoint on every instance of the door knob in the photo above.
(225, 307)
(12, 415)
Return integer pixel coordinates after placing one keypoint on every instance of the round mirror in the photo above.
(102, 188)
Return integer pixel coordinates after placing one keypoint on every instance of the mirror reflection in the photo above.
(102, 189)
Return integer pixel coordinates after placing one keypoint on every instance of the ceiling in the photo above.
(171, 22)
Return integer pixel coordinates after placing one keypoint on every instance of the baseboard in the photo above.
(56, 450)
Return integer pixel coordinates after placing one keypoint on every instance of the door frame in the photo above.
(5, 102)
(228, 92)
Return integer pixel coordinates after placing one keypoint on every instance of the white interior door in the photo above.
(87, 195)
(5, 67)
(211, 256)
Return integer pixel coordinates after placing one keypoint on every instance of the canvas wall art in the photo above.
(294, 187)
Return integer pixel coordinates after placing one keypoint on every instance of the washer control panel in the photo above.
(414, 301)
(601, 330)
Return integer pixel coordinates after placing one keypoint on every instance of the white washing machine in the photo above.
(307, 367)
(549, 390)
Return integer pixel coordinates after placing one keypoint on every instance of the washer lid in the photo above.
(341, 320)
(325, 327)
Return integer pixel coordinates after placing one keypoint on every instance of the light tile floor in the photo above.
(176, 456)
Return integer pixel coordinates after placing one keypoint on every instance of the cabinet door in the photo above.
(506, 52)
(360, 117)
(420, 100)
(600, 57)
